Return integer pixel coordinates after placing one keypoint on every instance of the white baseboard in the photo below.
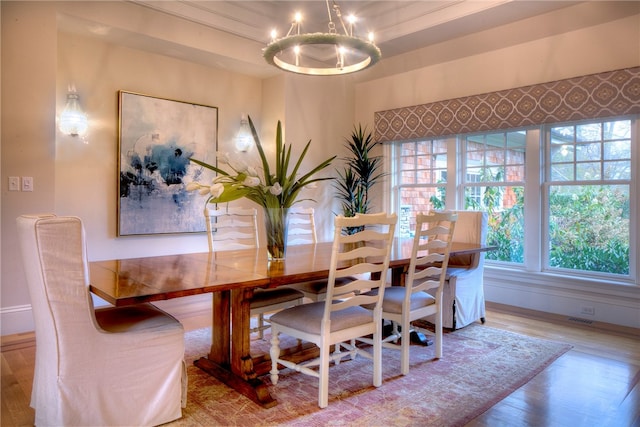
(618, 305)
(16, 320)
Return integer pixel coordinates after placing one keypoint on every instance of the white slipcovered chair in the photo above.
(237, 228)
(427, 273)
(340, 318)
(463, 295)
(114, 366)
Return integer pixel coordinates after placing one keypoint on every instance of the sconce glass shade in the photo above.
(244, 138)
(73, 121)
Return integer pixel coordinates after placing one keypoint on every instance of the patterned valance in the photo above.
(607, 94)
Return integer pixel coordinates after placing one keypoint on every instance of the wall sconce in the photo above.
(73, 121)
(244, 137)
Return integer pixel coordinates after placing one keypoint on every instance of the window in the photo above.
(588, 178)
(576, 216)
(493, 181)
(421, 179)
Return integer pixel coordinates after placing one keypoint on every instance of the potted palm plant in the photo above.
(359, 175)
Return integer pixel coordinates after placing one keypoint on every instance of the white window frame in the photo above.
(535, 209)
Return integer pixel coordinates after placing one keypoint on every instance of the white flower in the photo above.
(251, 181)
(276, 189)
(203, 191)
(222, 157)
(192, 186)
(216, 190)
(251, 171)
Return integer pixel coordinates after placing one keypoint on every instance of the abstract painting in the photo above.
(156, 140)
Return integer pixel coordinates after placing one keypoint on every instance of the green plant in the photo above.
(359, 175)
(273, 190)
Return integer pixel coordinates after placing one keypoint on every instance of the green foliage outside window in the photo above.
(589, 229)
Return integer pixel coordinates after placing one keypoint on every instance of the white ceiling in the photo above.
(399, 26)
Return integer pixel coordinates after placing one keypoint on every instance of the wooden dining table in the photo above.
(231, 277)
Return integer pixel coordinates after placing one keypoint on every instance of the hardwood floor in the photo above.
(596, 383)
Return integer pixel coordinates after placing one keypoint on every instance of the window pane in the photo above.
(495, 157)
(562, 172)
(589, 228)
(617, 150)
(408, 149)
(562, 153)
(423, 199)
(588, 132)
(514, 174)
(407, 177)
(617, 170)
(586, 152)
(562, 134)
(407, 163)
(588, 171)
(620, 129)
(505, 207)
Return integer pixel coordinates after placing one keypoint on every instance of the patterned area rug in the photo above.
(480, 367)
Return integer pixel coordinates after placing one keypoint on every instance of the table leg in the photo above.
(221, 328)
(234, 365)
(398, 275)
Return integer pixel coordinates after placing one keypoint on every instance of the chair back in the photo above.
(471, 227)
(231, 228)
(301, 227)
(430, 252)
(56, 268)
(364, 255)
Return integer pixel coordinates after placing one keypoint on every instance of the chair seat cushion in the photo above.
(265, 297)
(136, 318)
(308, 317)
(320, 286)
(394, 297)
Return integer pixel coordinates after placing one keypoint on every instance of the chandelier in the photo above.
(326, 54)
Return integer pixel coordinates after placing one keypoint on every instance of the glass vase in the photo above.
(276, 228)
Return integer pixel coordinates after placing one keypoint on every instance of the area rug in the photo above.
(480, 366)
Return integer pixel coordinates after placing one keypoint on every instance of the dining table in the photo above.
(231, 277)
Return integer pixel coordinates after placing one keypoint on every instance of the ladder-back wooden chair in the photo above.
(237, 228)
(426, 275)
(302, 229)
(340, 318)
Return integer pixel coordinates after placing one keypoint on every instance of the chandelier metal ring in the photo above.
(371, 51)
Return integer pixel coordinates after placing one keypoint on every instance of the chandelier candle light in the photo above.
(275, 191)
(351, 53)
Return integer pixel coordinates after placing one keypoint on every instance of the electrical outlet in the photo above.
(27, 183)
(14, 183)
(588, 310)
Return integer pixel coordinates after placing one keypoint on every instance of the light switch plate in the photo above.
(27, 183)
(14, 183)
